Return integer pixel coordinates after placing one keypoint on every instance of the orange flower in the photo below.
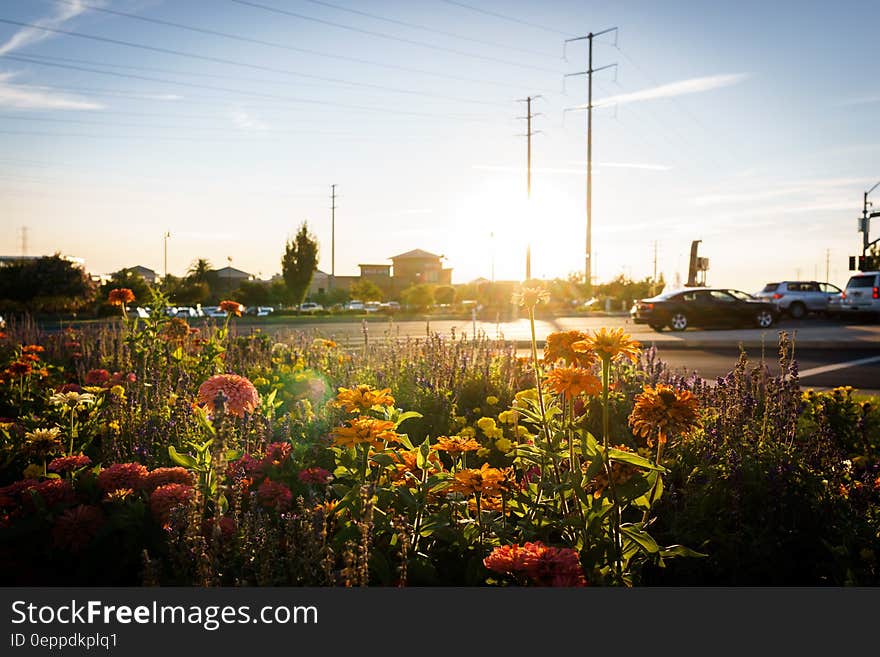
(241, 395)
(32, 349)
(620, 473)
(530, 295)
(609, 344)
(120, 296)
(456, 444)
(558, 347)
(662, 411)
(362, 398)
(572, 381)
(231, 307)
(407, 461)
(485, 480)
(367, 430)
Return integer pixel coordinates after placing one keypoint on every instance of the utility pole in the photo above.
(866, 220)
(528, 118)
(588, 265)
(165, 237)
(655, 262)
(332, 283)
(827, 263)
(24, 240)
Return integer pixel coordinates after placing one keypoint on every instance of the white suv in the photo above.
(862, 294)
(798, 298)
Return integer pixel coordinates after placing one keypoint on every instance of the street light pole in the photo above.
(166, 236)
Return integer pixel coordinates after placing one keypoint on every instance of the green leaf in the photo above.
(177, 354)
(404, 440)
(184, 460)
(640, 537)
(422, 457)
(233, 454)
(403, 417)
(680, 551)
(633, 459)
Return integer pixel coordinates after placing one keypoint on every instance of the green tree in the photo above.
(444, 294)
(47, 284)
(419, 296)
(365, 290)
(252, 293)
(299, 263)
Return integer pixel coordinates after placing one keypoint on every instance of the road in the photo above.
(829, 352)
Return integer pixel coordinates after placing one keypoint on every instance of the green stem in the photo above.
(656, 483)
(615, 529)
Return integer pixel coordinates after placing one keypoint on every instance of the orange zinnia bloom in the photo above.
(362, 398)
(486, 480)
(558, 347)
(664, 411)
(241, 395)
(363, 430)
(231, 307)
(572, 381)
(610, 344)
(456, 444)
(530, 295)
(120, 296)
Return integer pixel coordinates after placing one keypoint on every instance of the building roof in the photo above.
(141, 270)
(232, 272)
(374, 265)
(416, 253)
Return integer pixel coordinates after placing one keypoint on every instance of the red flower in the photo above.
(167, 498)
(69, 463)
(227, 527)
(162, 476)
(314, 476)
(274, 495)
(231, 307)
(97, 377)
(541, 564)
(120, 296)
(276, 455)
(75, 528)
(10, 496)
(69, 387)
(54, 492)
(122, 475)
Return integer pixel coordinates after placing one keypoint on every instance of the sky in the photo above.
(132, 129)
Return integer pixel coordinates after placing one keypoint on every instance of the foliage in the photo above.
(365, 290)
(299, 263)
(46, 284)
(419, 297)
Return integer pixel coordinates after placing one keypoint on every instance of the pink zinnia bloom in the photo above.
(122, 475)
(53, 491)
(314, 476)
(276, 454)
(241, 395)
(274, 495)
(75, 528)
(227, 527)
(97, 377)
(10, 496)
(166, 498)
(69, 463)
(69, 387)
(543, 565)
(162, 476)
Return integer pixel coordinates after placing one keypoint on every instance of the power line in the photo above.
(416, 26)
(272, 44)
(506, 17)
(221, 60)
(391, 37)
(193, 85)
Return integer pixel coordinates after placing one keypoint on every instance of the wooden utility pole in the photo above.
(528, 118)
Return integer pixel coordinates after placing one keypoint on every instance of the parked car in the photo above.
(862, 294)
(389, 307)
(214, 311)
(310, 307)
(704, 307)
(798, 298)
(354, 304)
(372, 306)
(186, 312)
(259, 311)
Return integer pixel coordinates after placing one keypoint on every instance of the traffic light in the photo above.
(864, 263)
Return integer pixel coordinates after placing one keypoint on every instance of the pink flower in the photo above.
(227, 527)
(541, 564)
(69, 463)
(168, 497)
(54, 492)
(276, 454)
(75, 528)
(162, 476)
(274, 495)
(10, 496)
(314, 476)
(122, 475)
(241, 395)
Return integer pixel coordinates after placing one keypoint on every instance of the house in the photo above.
(418, 266)
(146, 273)
(229, 278)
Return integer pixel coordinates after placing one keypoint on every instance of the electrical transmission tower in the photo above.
(529, 132)
(588, 264)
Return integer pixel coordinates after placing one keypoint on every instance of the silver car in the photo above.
(797, 298)
(862, 294)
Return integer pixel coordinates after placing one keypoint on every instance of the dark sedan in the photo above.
(704, 307)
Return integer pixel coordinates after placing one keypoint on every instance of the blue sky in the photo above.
(750, 126)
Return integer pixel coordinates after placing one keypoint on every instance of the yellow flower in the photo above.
(522, 432)
(113, 425)
(362, 398)
(486, 424)
(507, 417)
(662, 411)
(456, 444)
(609, 344)
(42, 442)
(530, 393)
(558, 346)
(468, 432)
(503, 445)
(491, 400)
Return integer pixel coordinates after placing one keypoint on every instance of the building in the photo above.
(146, 273)
(229, 278)
(417, 266)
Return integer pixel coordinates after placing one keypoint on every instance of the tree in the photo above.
(419, 296)
(252, 293)
(444, 294)
(365, 290)
(299, 263)
(47, 284)
(133, 281)
(199, 270)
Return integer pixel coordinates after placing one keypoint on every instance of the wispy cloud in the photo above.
(22, 96)
(492, 167)
(29, 35)
(860, 100)
(680, 88)
(633, 165)
(247, 122)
